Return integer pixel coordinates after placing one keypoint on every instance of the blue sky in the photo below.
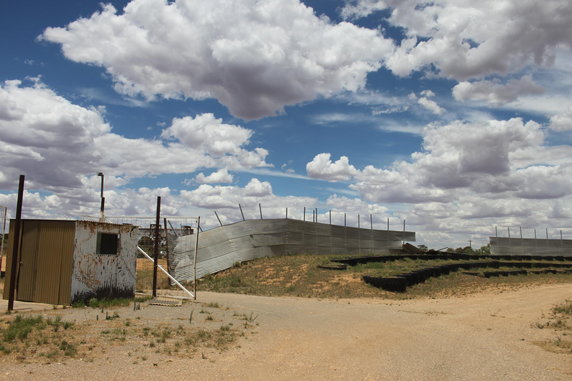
(452, 115)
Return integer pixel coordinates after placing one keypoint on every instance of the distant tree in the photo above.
(464, 250)
(484, 250)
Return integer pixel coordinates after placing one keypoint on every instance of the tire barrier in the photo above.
(333, 267)
(448, 256)
(400, 282)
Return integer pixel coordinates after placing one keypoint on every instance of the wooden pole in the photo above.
(156, 246)
(16, 245)
(260, 208)
(242, 214)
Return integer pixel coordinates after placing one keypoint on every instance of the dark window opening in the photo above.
(107, 243)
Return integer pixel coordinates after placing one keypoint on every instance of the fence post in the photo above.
(216, 214)
(15, 246)
(156, 246)
(241, 213)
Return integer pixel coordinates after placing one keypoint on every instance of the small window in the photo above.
(107, 243)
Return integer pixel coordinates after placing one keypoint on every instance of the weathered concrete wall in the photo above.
(222, 247)
(97, 275)
(530, 246)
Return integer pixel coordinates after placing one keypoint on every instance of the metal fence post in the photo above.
(16, 245)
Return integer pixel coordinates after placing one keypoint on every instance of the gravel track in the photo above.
(486, 336)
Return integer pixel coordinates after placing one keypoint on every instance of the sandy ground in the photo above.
(480, 337)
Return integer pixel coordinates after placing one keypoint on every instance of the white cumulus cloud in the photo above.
(466, 39)
(496, 93)
(562, 121)
(322, 167)
(255, 57)
(218, 177)
(59, 145)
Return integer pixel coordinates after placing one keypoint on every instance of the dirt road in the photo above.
(479, 337)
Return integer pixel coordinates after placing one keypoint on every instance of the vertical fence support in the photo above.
(16, 245)
(242, 214)
(216, 214)
(3, 234)
(371, 233)
(156, 246)
(195, 258)
(166, 243)
(260, 208)
(358, 235)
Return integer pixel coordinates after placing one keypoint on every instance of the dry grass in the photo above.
(145, 275)
(560, 322)
(28, 338)
(298, 275)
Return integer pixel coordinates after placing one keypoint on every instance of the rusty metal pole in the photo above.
(15, 248)
(156, 246)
